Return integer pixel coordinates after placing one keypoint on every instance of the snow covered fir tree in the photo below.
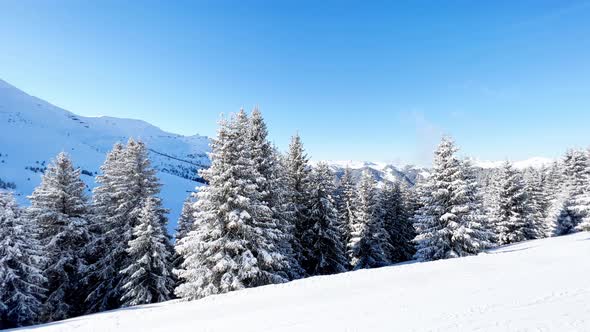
(234, 243)
(262, 217)
(450, 222)
(60, 211)
(368, 241)
(148, 278)
(127, 183)
(323, 240)
(22, 280)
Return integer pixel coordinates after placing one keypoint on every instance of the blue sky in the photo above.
(362, 80)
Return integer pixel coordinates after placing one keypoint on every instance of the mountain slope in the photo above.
(538, 285)
(33, 131)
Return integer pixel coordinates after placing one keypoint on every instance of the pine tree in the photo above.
(512, 212)
(59, 208)
(450, 221)
(346, 194)
(127, 180)
(21, 259)
(538, 204)
(397, 220)
(577, 173)
(298, 178)
(368, 238)
(148, 278)
(108, 226)
(186, 219)
(272, 183)
(233, 245)
(562, 219)
(323, 246)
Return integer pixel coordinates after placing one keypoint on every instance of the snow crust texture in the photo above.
(539, 285)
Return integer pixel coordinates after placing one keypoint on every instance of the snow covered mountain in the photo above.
(410, 174)
(534, 162)
(33, 131)
(521, 287)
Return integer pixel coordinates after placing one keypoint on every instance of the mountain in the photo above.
(32, 132)
(521, 287)
(534, 162)
(382, 172)
(410, 175)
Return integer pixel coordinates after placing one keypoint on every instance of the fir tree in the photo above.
(108, 226)
(577, 174)
(512, 212)
(59, 208)
(537, 203)
(562, 219)
(148, 278)
(186, 219)
(397, 220)
(346, 196)
(450, 221)
(298, 178)
(127, 181)
(272, 183)
(367, 237)
(233, 245)
(323, 245)
(21, 259)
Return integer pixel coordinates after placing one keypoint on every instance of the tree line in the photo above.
(265, 217)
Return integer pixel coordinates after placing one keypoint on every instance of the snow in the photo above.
(33, 131)
(539, 285)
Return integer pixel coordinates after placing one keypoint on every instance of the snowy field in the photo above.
(541, 285)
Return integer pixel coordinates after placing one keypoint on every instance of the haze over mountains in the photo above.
(33, 131)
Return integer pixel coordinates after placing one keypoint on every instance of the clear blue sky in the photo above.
(363, 80)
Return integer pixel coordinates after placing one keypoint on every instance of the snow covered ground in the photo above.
(540, 285)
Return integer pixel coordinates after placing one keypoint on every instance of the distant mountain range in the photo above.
(33, 131)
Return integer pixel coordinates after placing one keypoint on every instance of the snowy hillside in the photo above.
(539, 285)
(33, 131)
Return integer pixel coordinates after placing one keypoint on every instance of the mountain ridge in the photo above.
(33, 131)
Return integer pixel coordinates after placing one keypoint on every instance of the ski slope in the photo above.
(540, 285)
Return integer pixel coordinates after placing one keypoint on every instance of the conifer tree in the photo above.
(272, 183)
(368, 238)
(298, 177)
(512, 212)
(148, 277)
(562, 218)
(323, 245)
(450, 221)
(186, 219)
(59, 208)
(397, 221)
(108, 226)
(21, 259)
(233, 245)
(577, 174)
(127, 181)
(537, 203)
(346, 196)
